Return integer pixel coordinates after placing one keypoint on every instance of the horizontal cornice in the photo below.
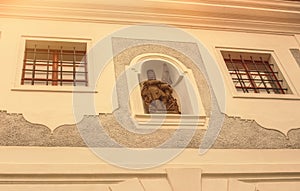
(272, 16)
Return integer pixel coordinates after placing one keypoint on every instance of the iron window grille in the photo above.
(55, 63)
(255, 73)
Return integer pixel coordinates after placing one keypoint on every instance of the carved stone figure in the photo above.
(158, 98)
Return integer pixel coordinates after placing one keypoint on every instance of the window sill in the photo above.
(266, 96)
(60, 89)
(170, 121)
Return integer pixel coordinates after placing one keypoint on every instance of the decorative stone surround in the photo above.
(185, 52)
(236, 133)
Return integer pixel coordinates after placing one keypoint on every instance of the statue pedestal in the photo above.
(171, 121)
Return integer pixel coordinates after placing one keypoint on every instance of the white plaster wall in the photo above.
(63, 169)
(279, 112)
(56, 108)
(49, 108)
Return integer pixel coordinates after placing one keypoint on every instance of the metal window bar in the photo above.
(50, 71)
(86, 70)
(269, 75)
(40, 63)
(276, 90)
(48, 63)
(256, 73)
(53, 80)
(55, 68)
(74, 67)
(271, 88)
(260, 76)
(259, 80)
(242, 83)
(249, 75)
(61, 65)
(33, 66)
(66, 52)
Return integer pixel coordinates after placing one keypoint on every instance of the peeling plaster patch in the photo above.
(294, 138)
(247, 134)
(236, 134)
(16, 131)
(67, 135)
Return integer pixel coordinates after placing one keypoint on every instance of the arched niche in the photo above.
(166, 72)
(170, 71)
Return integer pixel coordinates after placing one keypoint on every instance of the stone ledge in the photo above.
(279, 17)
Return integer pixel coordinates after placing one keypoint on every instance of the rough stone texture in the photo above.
(236, 133)
(294, 138)
(247, 134)
(16, 131)
(131, 139)
(66, 135)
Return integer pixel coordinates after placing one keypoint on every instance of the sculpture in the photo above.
(157, 96)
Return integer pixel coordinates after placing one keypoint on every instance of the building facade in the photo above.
(150, 95)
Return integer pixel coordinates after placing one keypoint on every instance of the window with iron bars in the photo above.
(55, 63)
(255, 73)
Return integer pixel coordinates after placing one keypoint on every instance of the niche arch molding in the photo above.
(185, 91)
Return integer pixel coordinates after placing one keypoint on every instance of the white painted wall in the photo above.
(49, 108)
(56, 108)
(271, 111)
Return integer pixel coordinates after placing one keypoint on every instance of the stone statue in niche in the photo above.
(157, 95)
